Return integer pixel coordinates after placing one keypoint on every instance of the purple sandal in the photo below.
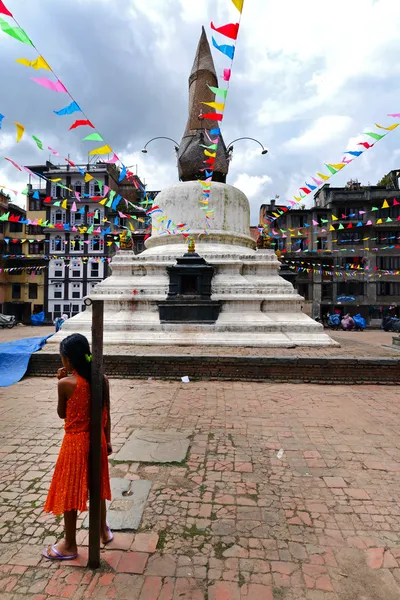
(110, 533)
(58, 555)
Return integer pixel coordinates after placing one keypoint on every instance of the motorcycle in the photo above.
(8, 321)
(347, 323)
(360, 322)
(391, 324)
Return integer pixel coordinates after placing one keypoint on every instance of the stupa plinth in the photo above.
(257, 306)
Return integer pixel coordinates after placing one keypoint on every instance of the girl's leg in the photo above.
(67, 546)
(105, 533)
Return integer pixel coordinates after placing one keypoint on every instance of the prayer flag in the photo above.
(36, 195)
(20, 130)
(102, 150)
(217, 105)
(39, 143)
(323, 177)
(238, 4)
(68, 110)
(385, 204)
(64, 204)
(230, 31)
(213, 116)
(375, 136)
(331, 169)
(39, 63)
(1, 119)
(4, 10)
(229, 51)
(218, 91)
(123, 173)
(96, 137)
(56, 86)
(15, 32)
(207, 153)
(365, 144)
(88, 177)
(112, 160)
(53, 151)
(227, 74)
(81, 123)
(390, 128)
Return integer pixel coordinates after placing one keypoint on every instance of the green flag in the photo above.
(15, 32)
(96, 137)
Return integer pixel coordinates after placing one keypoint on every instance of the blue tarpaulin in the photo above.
(14, 358)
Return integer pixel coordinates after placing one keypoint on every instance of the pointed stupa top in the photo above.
(191, 153)
(203, 60)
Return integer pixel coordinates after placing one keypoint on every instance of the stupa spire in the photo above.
(191, 155)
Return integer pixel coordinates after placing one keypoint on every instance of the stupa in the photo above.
(223, 292)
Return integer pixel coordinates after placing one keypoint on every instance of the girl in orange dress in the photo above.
(69, 489)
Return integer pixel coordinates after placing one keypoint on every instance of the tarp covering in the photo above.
(14, 358)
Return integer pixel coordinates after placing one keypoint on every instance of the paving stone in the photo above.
(155, 446)
(125, 512)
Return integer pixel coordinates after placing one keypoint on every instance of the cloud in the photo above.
(305, 81)
(321, 132)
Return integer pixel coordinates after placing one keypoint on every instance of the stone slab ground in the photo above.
(233, 521)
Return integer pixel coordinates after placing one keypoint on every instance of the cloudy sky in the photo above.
(308, 78)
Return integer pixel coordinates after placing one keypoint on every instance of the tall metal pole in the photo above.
(96, 433)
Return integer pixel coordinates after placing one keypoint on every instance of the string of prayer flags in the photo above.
(39, 63)
(20, 130)
(230, 31)
(102, 150)
(229, 51)
(4, 10)
(68, 110)
(15, 32)
(81, 123)
(56, 86)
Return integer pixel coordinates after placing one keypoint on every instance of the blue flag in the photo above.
(227, 50)
(1, 119)
(36, 195)
(123, 173)
(68, 110)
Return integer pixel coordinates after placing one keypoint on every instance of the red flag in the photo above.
(229, 31)
(4, 10)
(213, 116)
(306, 190)
(70, 162)
(47, 199)
(349, 226)
(210, 161)
(81, 123)
(395, 203)
(366, 145)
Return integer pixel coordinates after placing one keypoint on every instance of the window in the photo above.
(35, 204)
(349, 212)
(78, 187)
(387, 238)
(36, 247)
(58, 290)
(16, 227)
(322, 243)
(280, 244)
(76, 290)
(58, 216)
(35, 230)
(77, 218)
(298, 243)
(57, 244)
(76, 244)
(388, 263)
(58, 273)
(388, 288)
(16, 291)
(16, 248)
(94, 270)
(393, 212)
(326, 291)
(349, 238)
(66, 308)
(97, 244)
(33, 291)
(350, 288)
(54, 190)
(297, 221)
(304, 290)
(76, 273)
(95, 216)
(57, 307)
(75, 308)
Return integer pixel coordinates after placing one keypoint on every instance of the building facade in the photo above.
(344, 251)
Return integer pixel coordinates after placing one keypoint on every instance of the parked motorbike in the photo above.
(391, 324)
(347, 323)
(360, 322)
(7, 321)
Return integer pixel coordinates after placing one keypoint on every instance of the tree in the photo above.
(385, 182)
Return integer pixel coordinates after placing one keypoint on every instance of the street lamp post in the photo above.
(161, 138)
(230, 146)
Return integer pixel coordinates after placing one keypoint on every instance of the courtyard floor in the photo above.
(232, 522)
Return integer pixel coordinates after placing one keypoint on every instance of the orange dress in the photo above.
(69, 489)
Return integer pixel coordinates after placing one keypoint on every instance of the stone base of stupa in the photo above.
(259, 308)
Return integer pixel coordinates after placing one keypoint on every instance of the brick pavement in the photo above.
(234, 521)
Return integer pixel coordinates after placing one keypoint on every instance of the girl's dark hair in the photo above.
(76, 348)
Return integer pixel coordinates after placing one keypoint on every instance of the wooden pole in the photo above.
(96, 433)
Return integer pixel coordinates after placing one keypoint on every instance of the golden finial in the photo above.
(278, 254)
(191, 246)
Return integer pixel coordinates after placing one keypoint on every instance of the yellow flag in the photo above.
(385, 204)
(379, 221)
(334, 218)
(323, 177)
(64, 204)
(207, 153)
(238, 4)
(297, 199)
(387, 128)
(20, 130)
(131, 226)
(331, 228)
(338, 166)
(56, 180)
(103, 202)
(39, 63)
(88, 177)
(102, 150)
(217, 105)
